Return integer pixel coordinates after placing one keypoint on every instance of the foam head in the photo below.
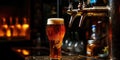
(55, 21)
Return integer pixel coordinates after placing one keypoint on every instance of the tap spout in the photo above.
(82, 19)
(72, 18)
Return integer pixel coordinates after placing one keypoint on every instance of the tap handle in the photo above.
(82, 19)
(70, 7)
(73, 16)
(80, 5)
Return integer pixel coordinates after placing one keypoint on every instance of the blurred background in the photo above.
(23, 24)
(22, 27)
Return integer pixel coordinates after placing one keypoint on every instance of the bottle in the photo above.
(25, 29)
(13, 28)
(96, 46)
(91, 42)
(18, 27)
(6, 28)
(2, 34)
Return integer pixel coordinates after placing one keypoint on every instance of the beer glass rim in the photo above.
(55, 21)
(55, 18)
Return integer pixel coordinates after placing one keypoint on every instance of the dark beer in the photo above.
(55, 31)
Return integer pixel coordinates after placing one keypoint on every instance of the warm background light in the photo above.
(25, 52)
(8, 33)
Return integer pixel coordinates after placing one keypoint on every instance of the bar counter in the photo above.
(63, 58)
(42, 53)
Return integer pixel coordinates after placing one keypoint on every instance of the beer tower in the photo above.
(94, 13)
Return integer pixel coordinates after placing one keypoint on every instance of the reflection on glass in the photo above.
(72, 45)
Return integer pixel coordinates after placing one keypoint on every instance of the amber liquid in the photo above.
(55, 35)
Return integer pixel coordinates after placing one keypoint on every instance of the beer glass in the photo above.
(55, 31)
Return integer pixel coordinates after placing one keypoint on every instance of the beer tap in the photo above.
(97, 14)
(70, 7)
(82, 19)
(72, 18)
(73, 15)
(80, 5)
(84, 11)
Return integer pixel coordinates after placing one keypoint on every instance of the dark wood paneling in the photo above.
(115, 15)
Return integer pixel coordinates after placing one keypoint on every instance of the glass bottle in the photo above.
(5, 28)
(96, 46)
(18, 27)
(2, 34)
(91, 42)
(13, 28)
(25, 28)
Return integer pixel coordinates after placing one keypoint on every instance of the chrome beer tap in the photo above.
(82, 19)
(72, 18)
(84, 11)
(99, 16)
(81, 6)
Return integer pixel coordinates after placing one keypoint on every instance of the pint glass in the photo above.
(55, 31)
